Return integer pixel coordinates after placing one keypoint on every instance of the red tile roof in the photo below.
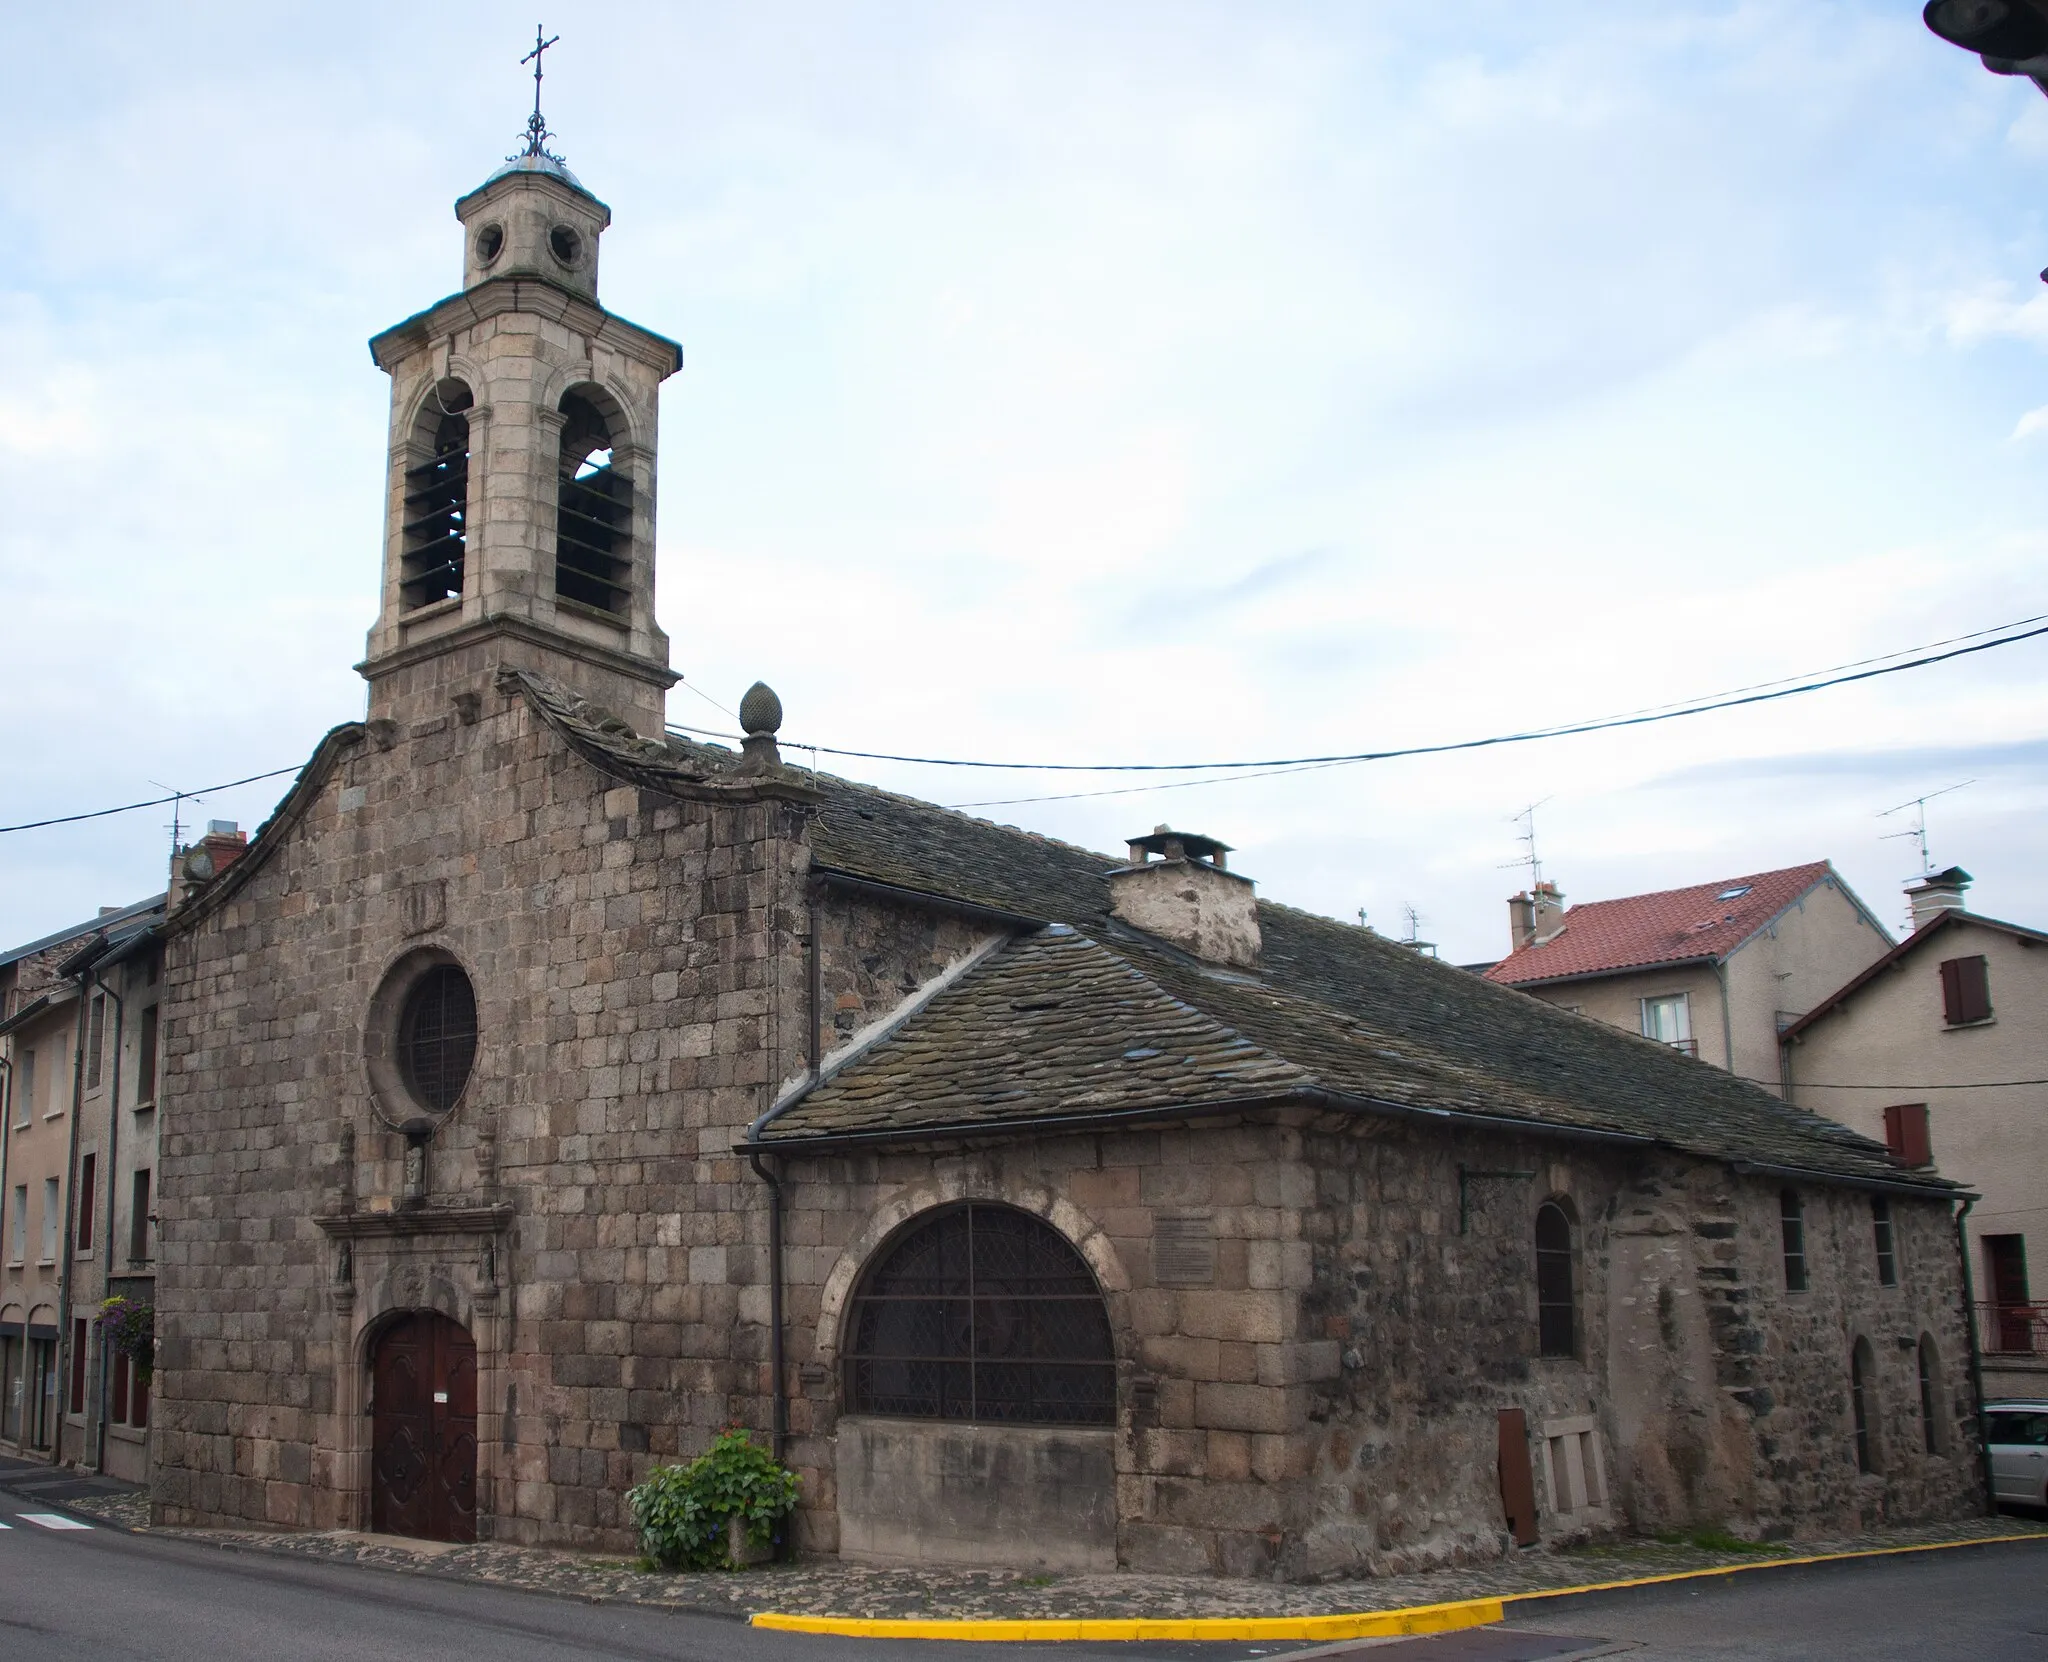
(1708, 920)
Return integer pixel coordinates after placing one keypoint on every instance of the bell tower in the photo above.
(519, 510)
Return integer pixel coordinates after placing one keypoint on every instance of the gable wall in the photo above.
(638, 970)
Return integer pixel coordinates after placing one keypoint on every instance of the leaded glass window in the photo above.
(981, 1313)
(1557, 1303)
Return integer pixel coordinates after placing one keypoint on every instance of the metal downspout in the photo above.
(1727, 1022)
(67, 1243)
(107, 1256)
(1976, 1356)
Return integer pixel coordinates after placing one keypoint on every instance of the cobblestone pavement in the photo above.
(830, 1588)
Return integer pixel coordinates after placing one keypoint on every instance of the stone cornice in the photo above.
(525, 629)
(496, 296)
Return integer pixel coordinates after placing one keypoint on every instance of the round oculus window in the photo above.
(490, 243)
(566, 244)
(437, 1037)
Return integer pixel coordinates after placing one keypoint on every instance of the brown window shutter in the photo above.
(1906, 1134)
(1517, 1477)
(1965, 990)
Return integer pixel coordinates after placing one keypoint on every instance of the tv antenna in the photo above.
(178, 800)
(1527, 819)
(1918, 830)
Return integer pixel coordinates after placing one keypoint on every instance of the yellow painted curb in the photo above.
(1365, 1624)
(1371, 1624)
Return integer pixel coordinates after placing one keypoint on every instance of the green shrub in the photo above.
(683, 1512)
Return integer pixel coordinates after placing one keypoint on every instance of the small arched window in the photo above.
(437, 1036)
(1792, 1230)
(1557, 1299)
(436, 508)
(981, 1313)
(594, 512)
(1930, 1395)
(1863, 1404)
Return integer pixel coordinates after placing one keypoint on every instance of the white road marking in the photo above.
(52, 1520)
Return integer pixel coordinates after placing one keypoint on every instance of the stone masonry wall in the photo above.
(638, 973)
(1327, 1404)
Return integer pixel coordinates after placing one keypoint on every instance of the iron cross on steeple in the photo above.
(537, 133)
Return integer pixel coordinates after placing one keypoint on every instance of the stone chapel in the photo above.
(545, 1091)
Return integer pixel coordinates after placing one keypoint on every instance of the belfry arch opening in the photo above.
(594, 509)
(437, 498)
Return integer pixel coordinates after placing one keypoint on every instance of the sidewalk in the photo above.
(827, 1587)
(34, 1480)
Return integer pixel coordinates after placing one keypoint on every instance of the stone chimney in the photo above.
(1178, 888)
(1939, 892)
(194, 867)
(1534, 918)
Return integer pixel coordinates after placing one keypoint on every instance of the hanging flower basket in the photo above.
(128, 1328)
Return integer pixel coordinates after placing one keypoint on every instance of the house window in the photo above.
(79, 1332)
(130, 1392)
(437, 501)
(1881, 1229)
(1907, 1135)
(1792, 1229)
(1930, 1371)
(138, 1219)
(1965, 991)
(95, 1041)
(145, 1058)
(594, 512)
(51, 1222)
(1668, 1020)
(1557, 1315)
(88, 1186)
(17, 1225)
(981, 1313)
(25, 1092)
(1863, 1404)
(2012, 1315)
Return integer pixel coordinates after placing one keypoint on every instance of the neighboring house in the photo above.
(1921, 1050)
(60, 1062)
(1716, 970)
(543, 1092)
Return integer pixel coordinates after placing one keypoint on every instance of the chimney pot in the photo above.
(1938, 892)
(1188, 896)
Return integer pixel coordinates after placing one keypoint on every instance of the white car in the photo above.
(2018, 1434)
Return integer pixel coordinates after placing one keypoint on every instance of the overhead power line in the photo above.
(2007, 634)
(1602, 724)
(153, 802)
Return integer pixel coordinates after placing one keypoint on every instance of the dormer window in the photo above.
(437, 500)
(594, 519)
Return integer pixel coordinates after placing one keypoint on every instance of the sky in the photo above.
(1154, 383)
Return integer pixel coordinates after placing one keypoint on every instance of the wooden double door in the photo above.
(423, 1429)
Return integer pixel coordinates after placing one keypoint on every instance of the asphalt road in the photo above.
(96, 1595)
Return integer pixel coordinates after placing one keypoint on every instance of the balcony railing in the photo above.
(2013, 1329)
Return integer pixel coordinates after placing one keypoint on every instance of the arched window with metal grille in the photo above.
(982, 1313)
(437, 1036)
(1557, 1293)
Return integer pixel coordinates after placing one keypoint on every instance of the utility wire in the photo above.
(1271, 765)
(153, 802)
(1639, 719)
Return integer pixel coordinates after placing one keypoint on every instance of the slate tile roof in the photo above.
(1673, 926)
(1087, 1017)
